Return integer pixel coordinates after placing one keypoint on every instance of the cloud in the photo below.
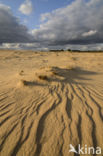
(86, 47)
(10, 46)
(26, 7)
(42, 47)
(78, 23)
(89, 33)
(11, 31)
(24, 46)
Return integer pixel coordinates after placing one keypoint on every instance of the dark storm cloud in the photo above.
(11, 31)
(80, 22)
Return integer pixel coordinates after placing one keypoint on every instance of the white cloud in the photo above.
(10, 46)
(78, 23)
(24, 46)
(89, 33)
(26, 8)
(5, 7)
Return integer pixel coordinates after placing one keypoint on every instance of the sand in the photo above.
(48, 101)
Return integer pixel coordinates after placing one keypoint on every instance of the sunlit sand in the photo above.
(49, 100)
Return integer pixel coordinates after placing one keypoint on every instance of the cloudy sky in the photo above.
(51, 24)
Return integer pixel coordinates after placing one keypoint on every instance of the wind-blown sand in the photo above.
(48, 101)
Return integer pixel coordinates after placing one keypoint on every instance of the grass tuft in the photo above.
(24, 82)
(43, 77)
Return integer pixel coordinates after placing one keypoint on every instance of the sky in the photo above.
(39, 7)
(51, 24)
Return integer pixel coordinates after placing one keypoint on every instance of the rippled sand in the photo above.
(48, 101)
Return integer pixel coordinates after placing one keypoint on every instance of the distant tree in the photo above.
(69, 49)
(62, 50)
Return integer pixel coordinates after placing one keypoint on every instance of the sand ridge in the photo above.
(48, 101)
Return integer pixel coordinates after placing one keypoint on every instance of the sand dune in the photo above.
(49, 101)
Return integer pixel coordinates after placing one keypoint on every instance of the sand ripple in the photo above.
(43, 115)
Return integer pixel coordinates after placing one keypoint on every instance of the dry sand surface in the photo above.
(48, 101)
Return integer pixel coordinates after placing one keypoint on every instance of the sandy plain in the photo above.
(49, 100)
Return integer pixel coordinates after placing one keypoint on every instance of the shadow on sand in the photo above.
(71, 76)
(63, 75)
